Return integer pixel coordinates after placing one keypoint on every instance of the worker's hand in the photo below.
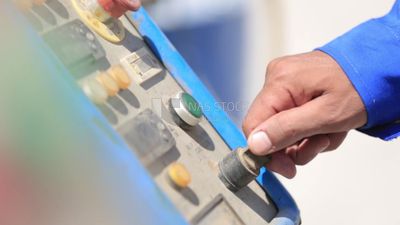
(307, 106)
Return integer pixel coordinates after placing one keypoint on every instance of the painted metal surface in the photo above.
(288, 212)
(62, 98)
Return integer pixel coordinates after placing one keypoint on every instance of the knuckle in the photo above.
(276, 65)
(279, 69)
(271, 66)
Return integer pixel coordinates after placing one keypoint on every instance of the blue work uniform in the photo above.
(369, 54)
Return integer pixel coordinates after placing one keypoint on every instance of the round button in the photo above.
(191, 105)
(187, 108)
(108, 83)
(179, 175)
(120, 76)
(95, 91)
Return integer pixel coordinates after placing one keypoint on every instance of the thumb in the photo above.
(288, 127)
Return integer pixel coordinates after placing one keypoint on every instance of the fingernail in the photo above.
(260, 143)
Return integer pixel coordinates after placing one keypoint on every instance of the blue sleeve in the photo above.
(370, 56)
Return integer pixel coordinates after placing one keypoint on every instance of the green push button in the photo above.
(188, 110)
(191, 105)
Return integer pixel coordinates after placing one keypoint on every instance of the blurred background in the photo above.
(230, 42)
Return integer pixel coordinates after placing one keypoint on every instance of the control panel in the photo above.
(162, 123)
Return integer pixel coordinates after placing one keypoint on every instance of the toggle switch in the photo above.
(179, 175)
(187, 108)
(141, 65)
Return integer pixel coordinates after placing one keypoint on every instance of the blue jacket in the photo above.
(370, 56)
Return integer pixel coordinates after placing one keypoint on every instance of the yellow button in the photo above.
(179, 175)
(108, 83)
(120, 76)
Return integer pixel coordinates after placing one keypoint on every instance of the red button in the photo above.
(115, 10)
